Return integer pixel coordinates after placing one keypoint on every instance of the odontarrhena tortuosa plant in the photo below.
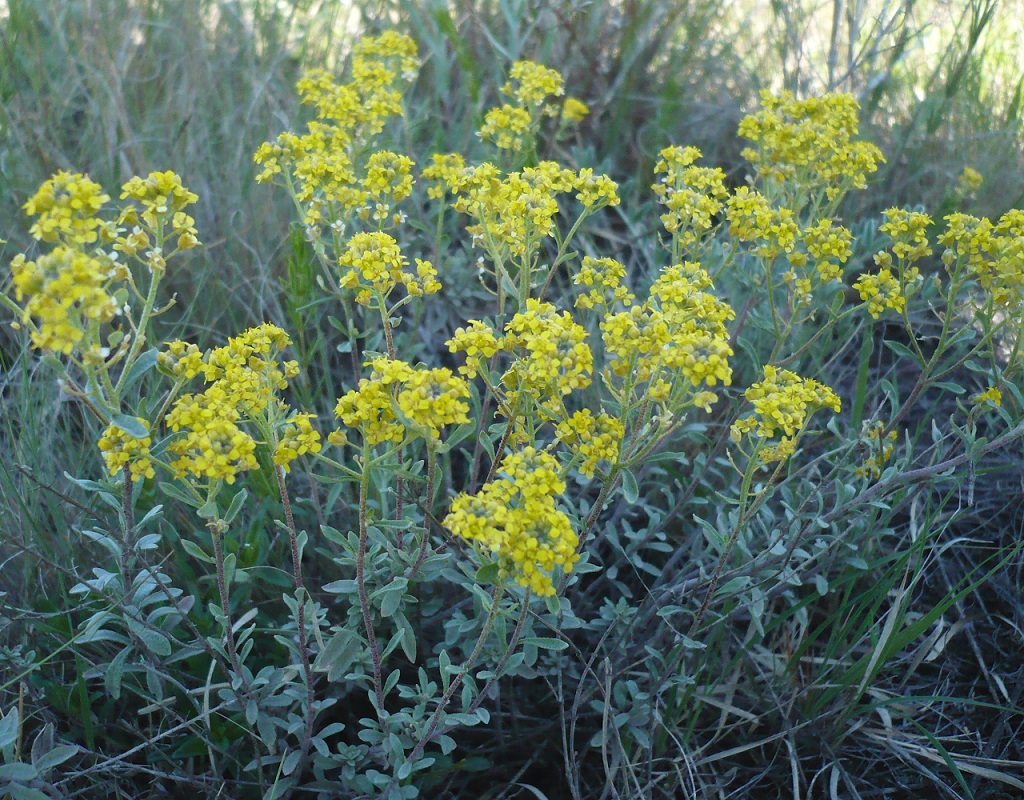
(448, 536)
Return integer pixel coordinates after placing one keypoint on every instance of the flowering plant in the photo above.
(471, 481)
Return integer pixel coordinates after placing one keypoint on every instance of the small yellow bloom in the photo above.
(990, 395)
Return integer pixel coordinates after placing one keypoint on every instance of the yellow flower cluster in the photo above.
(67, 205)
(397, 397)
(574, 110)
(67, 294)
(516, 518)
(297, 437)
(391, 50)
(121, 448)
(593, 439)
(163, 199)
(604, 278)
(595, 191)
(534, 83)
(880, 450)
(478, 342)
(882, 290)
(752, 218)
(247, 367)
(446, 170)
(388, 182)
(968, 182)
(181, 359)
(512, 125)
(508, 126)
(679, 331)
(550, 352)
(830, 246)
(373, 263)
(908, 231)
(243, 377)
(809, 143)
(990, 395)
(994, 254)
(319, 167)
(213, 446)
(514, 213)
(693, 195)
(783, 402)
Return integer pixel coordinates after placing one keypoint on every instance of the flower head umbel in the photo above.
(163, 199)
(478, 342)
(399, 400)
(373, 263)
(676, 342)
(809, 143)
(603, 279)
(879, 446)
(68, 294)
(297, 437)
(324, 168)
(693, 195)
(121, 448)
(514, 124)
(593, 439)
(212, 445)
(992, 253)
(783, 403)
(516, 518)
(68, 206)
(552, 357)
(243, 379)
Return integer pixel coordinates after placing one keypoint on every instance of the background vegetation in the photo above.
(905, 679)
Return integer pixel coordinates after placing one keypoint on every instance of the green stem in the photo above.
(300, 613)
(217, 528)
(364, 600)
(140, 333)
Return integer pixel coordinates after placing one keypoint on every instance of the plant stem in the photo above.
(364, 600)
(300, 611)
(217, 527)
(128, 511)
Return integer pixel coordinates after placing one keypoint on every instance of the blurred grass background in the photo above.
(116, 88)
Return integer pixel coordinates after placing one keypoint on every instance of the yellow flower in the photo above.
(990, 395)
(809, 141)
(535, 83)
(595, 191)
(881, 291)
(783, 402)
(121, 448)
(68, 296)
(67, 206)
(297, 438)
(213, 446)
(373, 262)
(594, 439)
(552, 357)
(426, 399)
(604, 278)
(693, 195)
(969, 181)
(507, 127)
(574, 110)
(516, 518)
(880, 449)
